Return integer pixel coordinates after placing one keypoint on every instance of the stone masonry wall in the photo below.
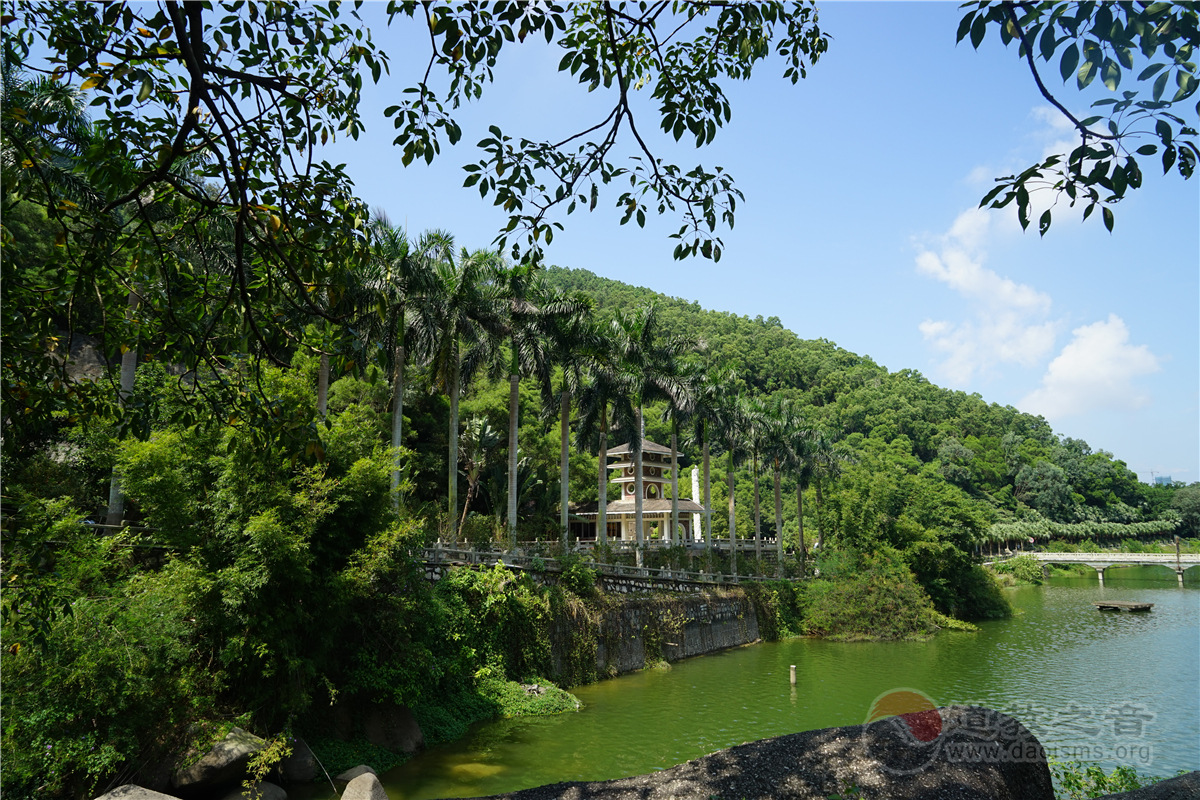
(631, 632)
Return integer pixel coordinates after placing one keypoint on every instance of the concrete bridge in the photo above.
(1102, 561)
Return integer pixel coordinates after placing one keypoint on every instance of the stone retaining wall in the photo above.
(631, 633)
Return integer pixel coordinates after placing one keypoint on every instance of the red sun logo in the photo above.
(913, 707)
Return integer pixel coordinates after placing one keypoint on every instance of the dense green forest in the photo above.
(1004, 466)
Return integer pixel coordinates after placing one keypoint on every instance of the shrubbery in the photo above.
(859, 596)
(878, 599)
(1024, 569)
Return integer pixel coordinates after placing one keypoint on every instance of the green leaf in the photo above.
(1187, 85)
(1119, 182)
(1160, 85)
(1150, 71)
(964, 26)
(1087, 73)
(1108, 218)
(1163, 129)
(1111, 74)
(978, 31)
(1070, 59)
(1044, 223)
(1147, 150)
(1048, 42)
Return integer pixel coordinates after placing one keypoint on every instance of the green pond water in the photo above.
(1112, 687)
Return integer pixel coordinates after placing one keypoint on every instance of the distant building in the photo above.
(621, 516)
(1162, 480)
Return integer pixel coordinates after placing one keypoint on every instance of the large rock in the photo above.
(224, 764)
(262, 791)
(356, 772)
(131, 792)
(300, 766)
(387, 725)
(955, 753)
(1185, 787)
(365, 787)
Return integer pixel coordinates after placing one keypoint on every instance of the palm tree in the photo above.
(575, 343)
(785, 446)
(650, 363)
(400, 284)
(46, 133)
(478, 439)
(46, 130)
(757, 430)
(708, 388)
(605, 387)
(679, 410)
(533, 311)
(730, 429)
(467, 326)
(827, 460)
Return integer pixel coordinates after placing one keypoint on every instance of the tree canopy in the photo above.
(1157, 41)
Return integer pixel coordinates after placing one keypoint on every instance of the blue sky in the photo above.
(860, 224)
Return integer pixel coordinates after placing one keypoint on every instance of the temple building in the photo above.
(621, 514)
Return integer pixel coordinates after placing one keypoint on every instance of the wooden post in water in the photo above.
(793, 674)
(1178, 567)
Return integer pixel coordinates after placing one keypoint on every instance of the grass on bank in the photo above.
(1078, 780)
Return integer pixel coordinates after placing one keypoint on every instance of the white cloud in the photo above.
(1057, 134)
(1008, 321)
(1095, 371)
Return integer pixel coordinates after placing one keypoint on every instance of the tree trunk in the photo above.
(732, 518)
(397, 425)
(323, 385)
(757, 512)
(514, 398)
(452, 467)
(820, 513)
(675, 537)
(638, 512)
(472, 487)
(565, 467)
(602, 480)
(778, 525)
(116, 497)
(800, 521)
(707, 501)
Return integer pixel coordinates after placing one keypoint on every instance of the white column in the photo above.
(696, 498)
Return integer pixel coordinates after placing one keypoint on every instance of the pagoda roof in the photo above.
(647, 447)
(656, 506)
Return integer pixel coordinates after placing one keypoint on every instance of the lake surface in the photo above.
(1113, 687)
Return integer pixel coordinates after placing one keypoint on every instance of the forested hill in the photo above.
(1010, 465)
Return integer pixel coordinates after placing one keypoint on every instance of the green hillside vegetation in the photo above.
(994, 472)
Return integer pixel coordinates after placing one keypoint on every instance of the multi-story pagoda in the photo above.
(656, 504)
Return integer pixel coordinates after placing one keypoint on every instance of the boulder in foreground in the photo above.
(953, 753)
